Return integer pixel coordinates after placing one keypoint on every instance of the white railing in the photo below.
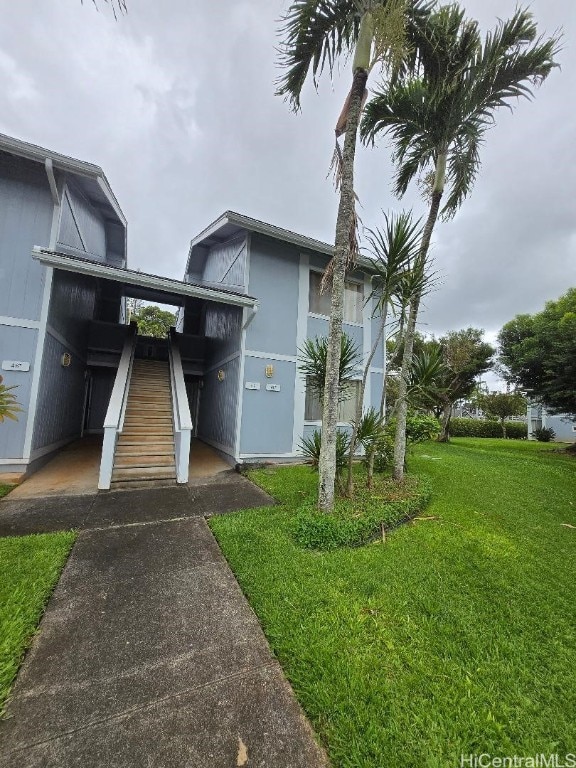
(114, 421)
(180, 410)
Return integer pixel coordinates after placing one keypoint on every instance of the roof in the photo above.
(231, 223)
(166, 286)
(99, 188)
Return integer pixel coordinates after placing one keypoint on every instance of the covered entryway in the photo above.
(147, 397)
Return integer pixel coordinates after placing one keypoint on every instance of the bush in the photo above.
(354, 524)
(487, 428)
(544, 434)
(310, 447)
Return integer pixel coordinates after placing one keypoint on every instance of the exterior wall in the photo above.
(16, 344)
(82, 228)
(72, 306)
(562, 425)
(219, 400)
(102, 381)
(272, 423)
(226, 264)
(26, 212)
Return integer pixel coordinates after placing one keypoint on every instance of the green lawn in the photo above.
(456, 636)
(5, 489)
(29, 569)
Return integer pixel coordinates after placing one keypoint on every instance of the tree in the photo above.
(312, 362)
(9, 405)
(153, 321)
(316, 33)
(502, 405)
(437, 122)
(392, 250)
(465, 356)
(538, 353)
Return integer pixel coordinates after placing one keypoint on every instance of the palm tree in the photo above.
(392, 251)
(316, 33)
(437, 122)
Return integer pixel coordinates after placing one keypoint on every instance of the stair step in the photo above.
(155, 419)
(141, 439)
(144, 473)
(148, 449)
(151, 460)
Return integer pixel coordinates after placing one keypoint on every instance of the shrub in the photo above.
(544, 434)
(487, 428)
(359, 523)
(310, 447)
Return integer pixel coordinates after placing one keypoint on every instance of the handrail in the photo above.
(114, 420)
(180, 410)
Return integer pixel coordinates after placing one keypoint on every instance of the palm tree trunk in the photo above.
(344, 225)
(402, 411)
(360, 404)
(444, 436)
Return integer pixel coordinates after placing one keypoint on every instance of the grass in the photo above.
(29, 569)
(5, 489)
(456, 636)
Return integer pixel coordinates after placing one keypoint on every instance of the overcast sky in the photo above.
(176, 102)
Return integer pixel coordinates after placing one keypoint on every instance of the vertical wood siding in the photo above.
(82, 227)
(226, 264)
(25, 220)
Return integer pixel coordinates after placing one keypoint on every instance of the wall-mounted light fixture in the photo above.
(66, 359)
(269, 371)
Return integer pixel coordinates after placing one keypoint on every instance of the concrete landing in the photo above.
(21, 516)
(148, 653)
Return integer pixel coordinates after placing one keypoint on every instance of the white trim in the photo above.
(271, 356)
(308, 423)
(290, 455)
(141, 279)
(19, 322)
(25, 462)
(222, 362)
(301, 333)
(367, 341)
(318, 316)
(52, 181)
(39, 452)
(245, 322)
(379, 371)
(37, 367)
(61, 340)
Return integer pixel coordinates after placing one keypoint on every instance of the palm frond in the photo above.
(315, 33)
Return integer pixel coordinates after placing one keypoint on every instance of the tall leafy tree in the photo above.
(316, 33)
(502, 405)
(438, 119)
(538, 353)
(154, 321)
(465, 356)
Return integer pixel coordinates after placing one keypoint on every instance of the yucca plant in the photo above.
(312, 446)
(312, 362)
(9, 405)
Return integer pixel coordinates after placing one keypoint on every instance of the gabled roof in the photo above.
(231, 223)
(95, 181)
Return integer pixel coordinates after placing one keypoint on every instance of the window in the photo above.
(319, 303)
(346, 411)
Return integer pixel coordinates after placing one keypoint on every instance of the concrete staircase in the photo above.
(145, 447)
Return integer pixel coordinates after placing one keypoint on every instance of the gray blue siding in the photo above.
(274, 282)
(17, 344)
(268, 417)
(82, 227)
(226, 264)
(219, 406)
(62, 390)
(26, 211)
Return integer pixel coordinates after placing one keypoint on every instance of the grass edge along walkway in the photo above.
(458, 636)
(30, 567)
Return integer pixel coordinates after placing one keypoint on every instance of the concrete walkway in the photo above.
(148, 653)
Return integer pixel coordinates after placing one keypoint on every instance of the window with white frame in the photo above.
(319, 303)
(346, 409)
